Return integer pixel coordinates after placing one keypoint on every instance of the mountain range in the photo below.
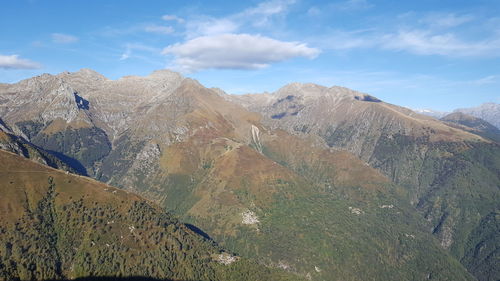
(308, 182)
(489, 112)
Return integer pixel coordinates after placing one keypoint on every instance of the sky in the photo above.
(428, 54)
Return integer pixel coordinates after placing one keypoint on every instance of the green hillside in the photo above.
(58, 225)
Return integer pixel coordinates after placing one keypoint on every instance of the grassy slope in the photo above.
(304, 199)
(54, 224)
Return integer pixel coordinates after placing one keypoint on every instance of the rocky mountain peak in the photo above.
(166, 74)
(455, 116)
(162, 75)
(313, 91)
(473, 124)
(301, 89)
(487, 111)
(89, 74)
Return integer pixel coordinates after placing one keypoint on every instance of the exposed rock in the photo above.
(226, 258)
(249, 217)
(356, 211)
(387, 206)
(256, 138)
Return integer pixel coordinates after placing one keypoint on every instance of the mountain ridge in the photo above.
(251, 182)
(59, 225)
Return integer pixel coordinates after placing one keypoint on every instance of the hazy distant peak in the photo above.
(308, 91)
(474, 124)
(162, 75)
(311, 90)
(456, 115)
(165, 74)
(219, 91)
(487, 111)
(483, 107)
(87, 72)
(301, 88)
(430, 112)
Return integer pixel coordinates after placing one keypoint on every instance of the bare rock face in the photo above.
(80, 114)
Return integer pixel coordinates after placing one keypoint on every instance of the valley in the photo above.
(309, 182)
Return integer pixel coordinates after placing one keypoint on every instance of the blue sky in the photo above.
(422, 54)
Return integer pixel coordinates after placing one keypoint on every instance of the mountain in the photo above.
(291, 198)
(451, 175)
(474, 125)
(489, 112)
(17, 144)
(55, 225)
(430, 112)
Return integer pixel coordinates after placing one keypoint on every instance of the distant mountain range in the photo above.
(430, 112)
(489, 112)
(312, 182)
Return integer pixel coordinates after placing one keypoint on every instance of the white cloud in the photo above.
(491, 79)
(159, 29)
(14, 62)
(345, 40)
(415, 41)
(446, 20)
(172, 18)
(262, 13)
(235, 51)
(131, 47)
(210, 26)
(352, 5)
(269, 8)
(61, 38)
(424, 42)
(313, 11)
(259, 16)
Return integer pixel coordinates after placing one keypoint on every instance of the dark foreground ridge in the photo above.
(107, 278)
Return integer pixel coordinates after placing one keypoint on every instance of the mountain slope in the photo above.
(474, 125)
(18, 145)
(452, 176)
(430, 112)
(290, 202)
(489, 112)
(58, 225)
